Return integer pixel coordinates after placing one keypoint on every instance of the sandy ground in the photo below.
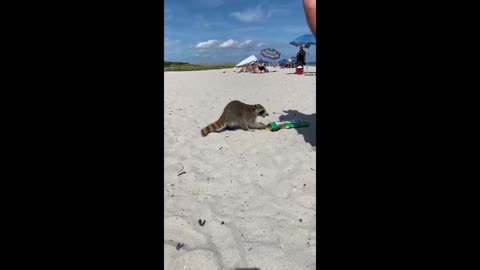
(255, 190)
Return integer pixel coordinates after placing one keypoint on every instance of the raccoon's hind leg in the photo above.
(257, 125)
(244, 126)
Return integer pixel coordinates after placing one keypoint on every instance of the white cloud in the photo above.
(253, 14)
(206, 44)
(249, 15)
(229, 43)
(246, 44)
(273, 11)
(261, 44)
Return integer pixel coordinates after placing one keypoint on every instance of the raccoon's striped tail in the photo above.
(215, 126)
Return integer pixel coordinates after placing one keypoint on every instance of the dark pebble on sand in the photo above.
(223, 222)
(300, 220)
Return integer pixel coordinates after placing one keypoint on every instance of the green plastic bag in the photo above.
(275, 125)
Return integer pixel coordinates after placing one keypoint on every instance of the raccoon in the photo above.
(237, 114)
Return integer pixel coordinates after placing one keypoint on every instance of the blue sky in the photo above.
(227, 31)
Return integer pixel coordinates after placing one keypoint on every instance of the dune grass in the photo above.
(180, 66)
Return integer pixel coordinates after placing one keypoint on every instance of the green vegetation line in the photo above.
(180, 66)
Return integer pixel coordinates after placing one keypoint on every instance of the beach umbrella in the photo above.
(270, 53)
(306, 41)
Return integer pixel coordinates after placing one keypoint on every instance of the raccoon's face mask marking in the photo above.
(260, 110)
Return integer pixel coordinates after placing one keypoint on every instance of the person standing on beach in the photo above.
(300, 57)
(310, 7)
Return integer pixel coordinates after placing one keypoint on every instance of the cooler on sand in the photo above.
(300, 70)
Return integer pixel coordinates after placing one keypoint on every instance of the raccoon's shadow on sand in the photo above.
(309, 133)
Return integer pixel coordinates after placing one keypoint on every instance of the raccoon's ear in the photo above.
(255, 106)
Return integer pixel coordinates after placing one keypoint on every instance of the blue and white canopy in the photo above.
(305, 40)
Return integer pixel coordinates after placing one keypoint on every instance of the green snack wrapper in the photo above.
(274, 125)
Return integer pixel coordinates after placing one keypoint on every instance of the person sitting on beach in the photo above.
(249, 68)
(243, 69)
(255, 68)
(261, 67)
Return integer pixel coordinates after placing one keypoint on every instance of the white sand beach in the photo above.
(255, 190)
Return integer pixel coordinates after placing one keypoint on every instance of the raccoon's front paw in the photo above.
(261, 126)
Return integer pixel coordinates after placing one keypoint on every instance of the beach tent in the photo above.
(247, 61)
